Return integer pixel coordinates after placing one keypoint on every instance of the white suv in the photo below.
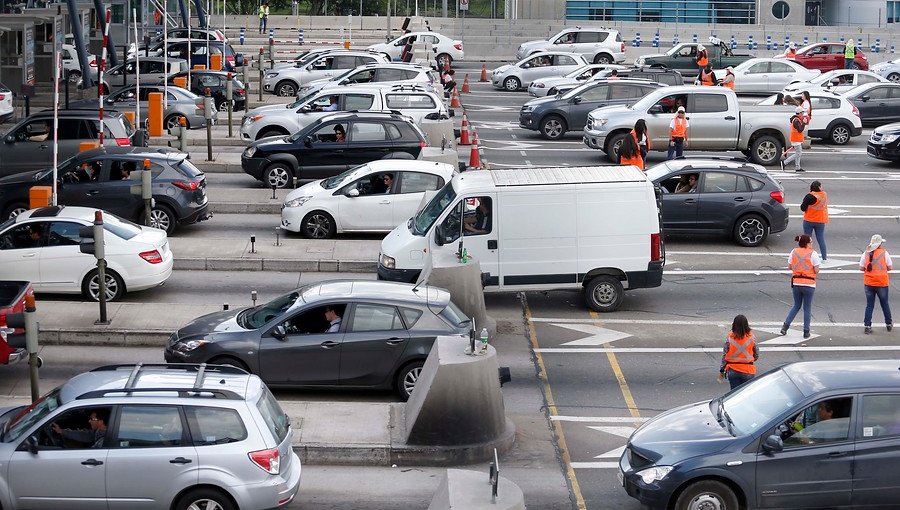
(596, 45)
(835, 119)
(286, 81)
(378, 75)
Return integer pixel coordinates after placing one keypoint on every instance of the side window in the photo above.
(758, 68)
(32, 235)
(372, 184)
(393, 131)
(361, 61)
(358, 101)
(70, 129)
(410, 316)
(129, 68)
(873, 93)
(755, 185)
(362, 76)
(128, 95)
(330, 133)
(64, 233)
(880, 416)
(865, 78)
(35, 131)
(146, 426)
(589, 37)
(670, 104)
(369, 317)
(478, 222)
(154, 66)
(418, 182)
(207, 80)
(718, 182)
(620, 91)
(344, 62)
(564, 60)
(826, 421)
(566, 38)
(390, 75)
(367, 132)
(409, 101)
(710, 103)
(822, 103)
(76, 429)
(410, 75)
(316, 320)
(682, 183)
(780, 67)
(598, 93)
(213, 425)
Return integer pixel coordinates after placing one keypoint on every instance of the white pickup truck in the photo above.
(717, 123)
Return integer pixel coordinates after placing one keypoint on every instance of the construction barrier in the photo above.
(155, 113)
(39, 196)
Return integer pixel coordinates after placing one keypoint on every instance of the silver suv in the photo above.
(596, 45)
(287, 81)
(153, 437)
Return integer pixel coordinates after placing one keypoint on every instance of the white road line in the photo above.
(855, 206)
(522, 153)
(697, 322)
(528, 163)
(598, 419)
(755, 253)
(755, 272)
(595, 465)
(855, 217)
(688, 350)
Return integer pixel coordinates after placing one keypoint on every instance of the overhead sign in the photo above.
(58, 34)
(463, 5)
(28, 76)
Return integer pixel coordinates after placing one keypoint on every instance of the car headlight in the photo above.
(251, 119)
(297, 202)
(387, 262)
(599, 122)
(890, 138)
(527, 109)
(271, 75)
(654, 474)
(539, 85)
(189, 345)
(249, 152)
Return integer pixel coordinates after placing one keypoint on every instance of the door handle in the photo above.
(329, 344)
(730, 117)
(93, 192)
(385, 202)
(92, 462)
(394, 341)
(832, 455)
(42, 146)
(180, 460)
(740, 199)
(689, 201)
(29, 255)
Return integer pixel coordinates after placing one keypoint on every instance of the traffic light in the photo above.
(180, 132)
(92, 237)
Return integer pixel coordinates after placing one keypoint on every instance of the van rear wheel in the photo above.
(604, 293)
(707, 494)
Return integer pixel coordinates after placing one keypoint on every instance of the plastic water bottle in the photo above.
(484, 340)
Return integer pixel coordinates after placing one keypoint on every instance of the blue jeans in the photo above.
(736, 378)
(819, 228)
(262, 24)
(803, 296)
(676, 149)
(882, 293)
(848, 63)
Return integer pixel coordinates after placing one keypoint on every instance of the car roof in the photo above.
(391, 65)
(377, 290)
(410, 165)
(131, 152)
(363, 115)
(813, 377)
(76, 112)
(709, 163)
(59, 211)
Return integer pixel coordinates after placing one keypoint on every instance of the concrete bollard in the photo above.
(733, 43)
(242, 35)
(805, 40)
(694, 38)
(463, 488)
(656, 40)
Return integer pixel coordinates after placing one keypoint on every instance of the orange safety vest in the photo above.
(818, 212)
(635, 136)
(680, 129)
(802, 268)
(728, 84)
(637, 161)
(878, 276)
(706, 78)
(702, 58)
(739, 356)
(791, 54)
(796, 136)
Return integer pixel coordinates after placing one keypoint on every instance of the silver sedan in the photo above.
(181, 103)
(539, 65)
(889, 70)
(769, 75)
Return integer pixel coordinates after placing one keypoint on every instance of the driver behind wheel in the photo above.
(95, 436)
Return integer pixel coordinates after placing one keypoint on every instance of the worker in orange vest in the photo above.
(707, 77)
(804, 263)
(875, 264)
(796, 150)
(740, 353)
(639, 132)
(702, 57)
(728, 81)
(630, 153)
(815, 214)
(678, 132)
(791, 53)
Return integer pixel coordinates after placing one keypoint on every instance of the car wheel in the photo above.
(442, 59)
(74, 76)
(604, 293)
(286, 89)
(271, 132)
(839, 134)
(407, 379)
(707, 494)
(603, 58)
(553, 127)
(174, 120)
(205, 499)
(751, 230)
(163, 218)
(854, 66)
(613, 143)
(277, 175)
(894, 77)
(15, 209)
(765, 150)
(317, 225)
(222, 105)
(115, 287)
(512, 84)
(228, 361)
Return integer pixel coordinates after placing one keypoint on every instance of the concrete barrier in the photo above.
(461, 488)
(464, 283)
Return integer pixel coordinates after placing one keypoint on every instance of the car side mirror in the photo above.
(439, 235)
(655, 109)
(353, 193)
(239, 59)
(308, 141)
(31, 444)
(10, 139)
(864, 98)
(344, 82)
(577, 99)
(279, 332)
(773, 444)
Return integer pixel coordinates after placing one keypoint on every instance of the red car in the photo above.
(828, 57)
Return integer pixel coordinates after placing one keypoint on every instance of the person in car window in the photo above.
(95, 436)
(339, 134)
(334, 320)
(332, 104)
(688, 184)
(388, 181)
(35, 233)
(480, 223)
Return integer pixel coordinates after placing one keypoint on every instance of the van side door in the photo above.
(472, 217)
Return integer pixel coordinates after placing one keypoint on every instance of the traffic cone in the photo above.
(454, 99)
(474, 155)
(465, 89)
(464, 131)
(484, 76)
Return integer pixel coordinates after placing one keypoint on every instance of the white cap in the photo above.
(800, 109)
(701, 47)
(793, 46)
(680, 109)
(876, 241)
(729, 69)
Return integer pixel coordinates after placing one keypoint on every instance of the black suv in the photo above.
(102, 178)
(215, 81)
(319, 151)
(723, 197)
(885, 142)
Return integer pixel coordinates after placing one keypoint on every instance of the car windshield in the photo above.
(120, 226)
(657, 172)
(334, 182)
(755, 404)
(257, 317)
(575, 73)
(302, 100)
(429, 214)
(577, 90)
(31, 415)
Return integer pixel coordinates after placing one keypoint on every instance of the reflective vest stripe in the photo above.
(680, 129)
(878, 276)
(739, 356)
(802, 265)
(817, 212)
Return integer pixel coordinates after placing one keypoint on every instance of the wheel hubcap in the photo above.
(894, 77)
(766, 151)
(278, 177)
(285, 91)
(751, 231)
(160, 219)
(205, 504)
(409, 382)
(605, 294)
(174, 122)
(17, 211)
(840, 135)
(512, 85)
(111, 287)
(553, 128)
(317, 226)
(706, 502)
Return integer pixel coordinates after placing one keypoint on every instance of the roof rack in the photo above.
(407, 87)
(182, 392)
(734, 159)
(202, 369)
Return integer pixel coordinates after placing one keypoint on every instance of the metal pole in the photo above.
(166, 62)
(207, 112)
(261, 73)
(57, 62)
(388, 36)
(147, 191)
(100, 253)
(228, 100)
(137, 77)
(101, 66)
(31, 346)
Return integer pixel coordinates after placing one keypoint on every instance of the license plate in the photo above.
(620, 476)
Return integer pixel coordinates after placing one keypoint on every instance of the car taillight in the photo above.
(655, 248)
(240, 92)
(855, 110)
(269, 460)
(123, 142)
(458, 46)
(152, 257)
(188, 185)
(623, 48)
(777, 196)
(2, 97)
(423, 144)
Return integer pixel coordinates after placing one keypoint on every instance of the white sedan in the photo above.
(548, 86)
(834, 118)
(6, 104)
(889, 70)
(374, 197)
(546, 64)
(42, 246)
(837, 81)
(447, 50)
(768, 75)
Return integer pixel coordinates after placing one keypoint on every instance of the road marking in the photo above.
(551, 407)
(723, 322)
(595, 465)
(611, 351)
(597, 419)
(599, 336)
(855, 206)
(755, 272)
(755, 253)
(793, 337)
(616, 430)
(856, 217)
(620, 377)
(615, 453)
(832, 262)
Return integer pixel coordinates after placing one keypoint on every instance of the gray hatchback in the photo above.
(154, 437)
(343, 333)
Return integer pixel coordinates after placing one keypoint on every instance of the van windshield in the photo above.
(429, 214)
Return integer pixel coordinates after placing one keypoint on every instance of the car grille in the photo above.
(590, 123)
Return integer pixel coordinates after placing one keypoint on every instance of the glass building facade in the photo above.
(664, 11)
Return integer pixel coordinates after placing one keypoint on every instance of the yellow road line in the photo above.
(551, 408)
(623, 384)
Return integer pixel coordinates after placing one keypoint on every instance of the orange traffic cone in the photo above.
(484, 77)
(464, 131)
(465, 89)
(454, 99)
(474, 155)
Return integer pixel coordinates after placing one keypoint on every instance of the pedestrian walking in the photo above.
(707, 77)
(702, 57)
(791, 53)
(263, 16)
(740, 353)
(639, 132)
(804, 263)
(815, 215)
(728, 81)
(796, 150)
(849, 53)
(678, 132)
(875, 264)
(630, 153)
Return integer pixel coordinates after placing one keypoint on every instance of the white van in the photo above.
(540, 229)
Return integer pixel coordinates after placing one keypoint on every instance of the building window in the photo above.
(664, 11)
(780, 10)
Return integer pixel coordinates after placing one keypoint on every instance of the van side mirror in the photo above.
(439, 235)
(279, 332)
(773, 444)
(31, 444)
(308, 141)
(353, 193)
